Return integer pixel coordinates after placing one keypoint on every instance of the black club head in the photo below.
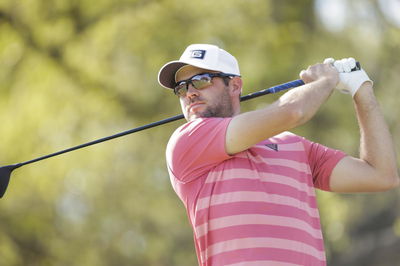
(5, 174)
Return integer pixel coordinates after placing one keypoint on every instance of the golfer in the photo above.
(248, 184)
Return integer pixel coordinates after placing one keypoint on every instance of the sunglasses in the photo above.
(199, 82)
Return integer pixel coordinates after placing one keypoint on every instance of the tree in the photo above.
(73, 71)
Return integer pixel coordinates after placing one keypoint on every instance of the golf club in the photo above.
(5, 171)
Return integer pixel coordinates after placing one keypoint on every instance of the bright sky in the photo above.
(334, 13)
(391, 8)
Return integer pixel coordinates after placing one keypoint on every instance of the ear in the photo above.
(236, 86)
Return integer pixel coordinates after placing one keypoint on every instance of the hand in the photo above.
(350, 81)
(321, 71)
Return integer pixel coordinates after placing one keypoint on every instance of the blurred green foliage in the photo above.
(75, 70)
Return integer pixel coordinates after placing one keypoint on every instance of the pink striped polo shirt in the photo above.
(257, 207)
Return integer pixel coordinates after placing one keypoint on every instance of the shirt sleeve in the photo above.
(322, 161)
(196, 147)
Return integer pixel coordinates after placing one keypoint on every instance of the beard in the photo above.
(221, 107)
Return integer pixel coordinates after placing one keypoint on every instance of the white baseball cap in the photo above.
(204, 56)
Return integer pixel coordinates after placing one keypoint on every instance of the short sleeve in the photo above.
(322, 161)
(196, 147)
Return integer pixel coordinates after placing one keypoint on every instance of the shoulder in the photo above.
(196, 147)
(199, 132)
(200, 126)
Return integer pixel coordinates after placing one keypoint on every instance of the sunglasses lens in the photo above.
(201, 81)
(198, 82)
(181, 89)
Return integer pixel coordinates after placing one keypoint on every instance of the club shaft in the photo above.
(124, 133)
(284, 86)
(275, 89)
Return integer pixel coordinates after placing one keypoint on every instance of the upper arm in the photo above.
(356, 175)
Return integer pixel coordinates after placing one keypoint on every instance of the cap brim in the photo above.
(166, 76)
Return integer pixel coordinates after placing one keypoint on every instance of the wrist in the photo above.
(367, 85)
(365, 92)
(329, 82)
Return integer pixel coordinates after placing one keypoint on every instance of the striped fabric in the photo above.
(257, 207)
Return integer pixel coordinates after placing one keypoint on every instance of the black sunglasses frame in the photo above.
(186, 82)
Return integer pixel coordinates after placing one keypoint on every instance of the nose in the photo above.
(191, 91)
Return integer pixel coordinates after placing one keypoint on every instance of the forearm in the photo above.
(306, 100)
(292, 109)
(376, 145)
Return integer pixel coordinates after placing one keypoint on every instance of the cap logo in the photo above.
(199, 54)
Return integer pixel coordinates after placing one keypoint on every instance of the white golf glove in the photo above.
(350, 81)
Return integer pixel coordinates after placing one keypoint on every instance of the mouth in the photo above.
(195, 105)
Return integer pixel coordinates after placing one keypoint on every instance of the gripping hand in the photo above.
(350, 79)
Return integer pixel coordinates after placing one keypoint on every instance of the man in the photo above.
(248, 184)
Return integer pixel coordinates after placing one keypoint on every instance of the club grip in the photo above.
(358, 67)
